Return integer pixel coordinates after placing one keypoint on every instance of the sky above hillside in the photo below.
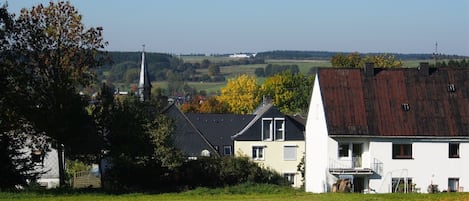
(217, 26)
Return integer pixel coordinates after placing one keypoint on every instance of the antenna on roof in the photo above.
(435, 54)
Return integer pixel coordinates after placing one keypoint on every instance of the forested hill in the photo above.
(126, 65)
(323, 55)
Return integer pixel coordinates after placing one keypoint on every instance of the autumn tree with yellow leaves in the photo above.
(241, 94)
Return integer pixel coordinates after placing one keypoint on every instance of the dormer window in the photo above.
(273, 129)
(451, 88)
(405, 107)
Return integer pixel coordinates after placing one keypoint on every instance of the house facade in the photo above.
(388, 130)
(273, 140)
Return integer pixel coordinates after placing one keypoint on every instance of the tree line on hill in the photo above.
(324, 55)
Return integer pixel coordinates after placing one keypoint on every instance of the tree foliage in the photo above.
(452, 63)
(289, 92)
(136, 137)
(213, 70)
(355, 60)
(49, 56)
(241, 94)
(201, 104)
(351, 60)
(16, 166)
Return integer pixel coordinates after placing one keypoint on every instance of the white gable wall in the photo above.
(317, 141)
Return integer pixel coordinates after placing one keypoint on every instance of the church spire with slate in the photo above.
(144, 84)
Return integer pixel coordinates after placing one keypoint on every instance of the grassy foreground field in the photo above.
(242, 192)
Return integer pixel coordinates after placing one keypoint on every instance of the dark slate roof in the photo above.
(218, 128)
(186, 136)
(294, 130)
(359, 104)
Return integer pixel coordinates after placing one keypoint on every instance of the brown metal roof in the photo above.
(357, 104)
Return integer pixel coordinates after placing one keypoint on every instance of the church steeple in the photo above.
(144, 84)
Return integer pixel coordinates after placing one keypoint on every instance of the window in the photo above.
(289, 177)
(273, 129)
(453, 184)
(227, 150)
(258, 153)
(454, 150)
(266, 129)
(402, 151)
(279, 128)
(37, 156)
(344, 149)
(401, 185)
(289, 153)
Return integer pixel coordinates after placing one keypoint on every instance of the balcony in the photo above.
(354, 167)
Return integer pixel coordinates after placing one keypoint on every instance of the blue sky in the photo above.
(222, 26)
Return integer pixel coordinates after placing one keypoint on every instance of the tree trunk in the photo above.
(60, 152)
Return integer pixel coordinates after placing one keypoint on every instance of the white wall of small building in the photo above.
(430, 165)
(274, 156)
(50, 179)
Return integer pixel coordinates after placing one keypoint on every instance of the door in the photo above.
(357, 150)
(358, 184)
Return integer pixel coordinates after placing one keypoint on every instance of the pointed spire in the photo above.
(144, 84)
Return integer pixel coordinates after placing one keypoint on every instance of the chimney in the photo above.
(369, 69)
(424, 68)
(266, 100)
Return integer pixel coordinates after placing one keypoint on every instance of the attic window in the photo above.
(405, 107)
(451, 88)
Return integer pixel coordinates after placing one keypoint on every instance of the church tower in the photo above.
(144, 84)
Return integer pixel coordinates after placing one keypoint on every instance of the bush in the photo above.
(227, 171)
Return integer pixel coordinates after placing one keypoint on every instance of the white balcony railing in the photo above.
(354, 164)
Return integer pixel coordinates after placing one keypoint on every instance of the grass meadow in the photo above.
(254, 192)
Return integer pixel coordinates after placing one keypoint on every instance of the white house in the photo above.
(388, 130)
(273, 140)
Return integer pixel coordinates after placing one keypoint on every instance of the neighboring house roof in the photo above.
(252, 132)
(218, 128)
(186, 136)
(396, 102)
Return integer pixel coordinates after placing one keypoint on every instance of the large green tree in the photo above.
(16, 166)
(289, 92)
(51, 55)
(137, 137)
